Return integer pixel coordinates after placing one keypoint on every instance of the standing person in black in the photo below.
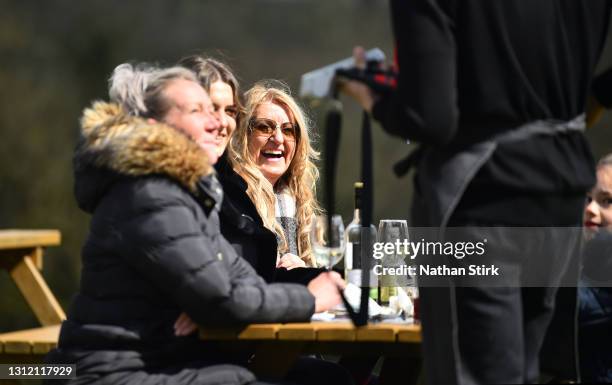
(494, 92)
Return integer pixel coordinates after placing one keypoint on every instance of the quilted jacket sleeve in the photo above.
(162, 238)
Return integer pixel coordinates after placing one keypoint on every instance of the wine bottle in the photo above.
(354, 234)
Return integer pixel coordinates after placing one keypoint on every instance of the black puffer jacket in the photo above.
(154, 250)
(243, 227)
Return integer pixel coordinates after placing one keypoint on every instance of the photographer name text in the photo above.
(441, 270)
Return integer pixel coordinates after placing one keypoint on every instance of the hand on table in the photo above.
(184, 326)
(326, 289)
(290, 261)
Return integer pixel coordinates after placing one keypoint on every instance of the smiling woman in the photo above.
(272, 140)
(271, 151)
(222, 86)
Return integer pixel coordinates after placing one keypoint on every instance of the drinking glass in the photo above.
(327, 246)
(395, 231)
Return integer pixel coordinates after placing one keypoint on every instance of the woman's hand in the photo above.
(184, 326)
(290, 261)
(326, 289)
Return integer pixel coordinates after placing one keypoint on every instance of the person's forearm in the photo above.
(423, 108)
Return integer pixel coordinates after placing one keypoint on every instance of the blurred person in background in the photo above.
(598, 211)
(595, 291)
(143, 169)
(498, 115)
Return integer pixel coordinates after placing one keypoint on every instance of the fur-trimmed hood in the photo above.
(113, 143)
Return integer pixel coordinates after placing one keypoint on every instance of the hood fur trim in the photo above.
(130, 145)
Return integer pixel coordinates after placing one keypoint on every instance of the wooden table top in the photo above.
(41, 340)
(319, 331)
(22, 239)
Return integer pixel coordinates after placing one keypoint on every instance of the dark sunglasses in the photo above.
(267, 127)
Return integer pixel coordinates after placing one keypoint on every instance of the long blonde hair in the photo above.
(300, 178)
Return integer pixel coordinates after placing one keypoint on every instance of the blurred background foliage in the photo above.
(56, 56)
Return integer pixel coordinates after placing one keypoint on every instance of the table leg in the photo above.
(36, 292)
(37, 257)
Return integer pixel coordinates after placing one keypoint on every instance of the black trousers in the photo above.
(480, 334)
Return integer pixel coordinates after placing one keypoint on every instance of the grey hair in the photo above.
(138, 88)
(606, 160)
(127, 86)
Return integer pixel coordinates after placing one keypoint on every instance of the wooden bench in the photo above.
(21, 255)
(28, 346)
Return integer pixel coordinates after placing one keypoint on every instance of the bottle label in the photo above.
(354, 276)
(348, 256)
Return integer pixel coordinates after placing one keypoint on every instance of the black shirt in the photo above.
(472, 68)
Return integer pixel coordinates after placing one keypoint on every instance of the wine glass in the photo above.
(327, 246)
(392, 230)
(395, 231)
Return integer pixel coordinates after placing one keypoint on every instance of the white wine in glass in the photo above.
(327, 247)
(393, 231)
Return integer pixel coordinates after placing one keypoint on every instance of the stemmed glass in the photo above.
(395, 231)
(327, 246)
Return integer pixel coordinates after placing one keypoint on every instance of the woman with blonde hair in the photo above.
(270, 183)
(242, 222)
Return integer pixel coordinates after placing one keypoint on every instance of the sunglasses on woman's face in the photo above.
(267, 127)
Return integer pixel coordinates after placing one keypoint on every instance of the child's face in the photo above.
(598, 212)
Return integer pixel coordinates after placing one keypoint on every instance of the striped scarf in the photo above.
(286, 217)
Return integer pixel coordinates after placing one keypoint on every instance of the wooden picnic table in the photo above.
(28, 346)
(277, 346)
(21, 254)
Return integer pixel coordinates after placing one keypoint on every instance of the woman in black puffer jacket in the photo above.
(154, 249)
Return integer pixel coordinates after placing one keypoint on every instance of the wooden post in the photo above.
(37, 257)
